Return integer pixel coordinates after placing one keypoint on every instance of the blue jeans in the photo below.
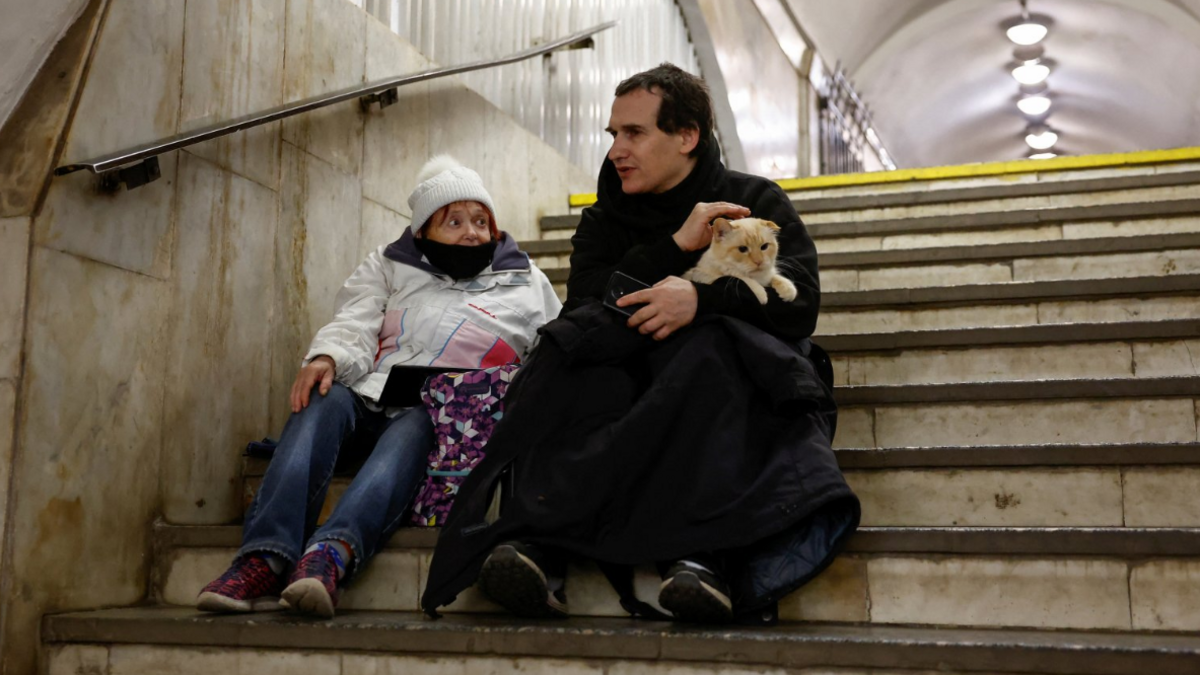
(284, 513)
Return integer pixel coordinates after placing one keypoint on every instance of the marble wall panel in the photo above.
(74, 659)
(838, 594)
(90, 436)
(459, 120)
(934, 275)
(549, 189)
(219, 340)
(1037, 422)
(1155, 264)
(1162, 308)
(1043, 362)
(989, 498)
(1079, 594)
(14, 265)
(505, 171)
(396, 142)
(325, 46)
(838, 322)
(1165, 595)
(380, 226)
(1167, 359)
(1131, 228)
(316, 249)
(143, 659)
(973, 237)
(233, 66)
(1162, 497)
(8, 412)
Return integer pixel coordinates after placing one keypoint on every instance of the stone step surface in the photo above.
(1081, 332)
(1110, 578)
(140, 641)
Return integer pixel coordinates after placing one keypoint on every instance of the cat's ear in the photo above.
(721, 227)
(771, 225)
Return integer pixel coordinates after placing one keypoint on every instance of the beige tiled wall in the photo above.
(167, 322)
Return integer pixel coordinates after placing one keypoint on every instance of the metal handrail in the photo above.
(382, 91)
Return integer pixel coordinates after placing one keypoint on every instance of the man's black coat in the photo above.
(626, 450)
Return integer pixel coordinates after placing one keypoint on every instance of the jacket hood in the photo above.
(656, 210)
(507, 258)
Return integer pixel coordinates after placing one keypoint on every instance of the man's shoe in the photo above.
(693, 592)
(248, 585)
(512, 578)
(312, 588)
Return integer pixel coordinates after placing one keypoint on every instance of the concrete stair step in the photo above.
(1095, 360)
(1059, 455)
(916, 193)
(1036, 334)
(1024, 390)
(1114, 578)
(147, 640)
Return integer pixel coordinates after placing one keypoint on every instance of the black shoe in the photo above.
(512, 578)
(692, 592)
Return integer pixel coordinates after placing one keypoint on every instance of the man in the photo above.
(695, 433)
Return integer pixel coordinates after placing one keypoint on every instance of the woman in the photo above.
(454, 291)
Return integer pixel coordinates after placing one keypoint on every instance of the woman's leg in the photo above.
(365, 516)
(289, 500)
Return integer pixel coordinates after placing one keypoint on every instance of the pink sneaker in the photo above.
(312, 588)
(248, 585)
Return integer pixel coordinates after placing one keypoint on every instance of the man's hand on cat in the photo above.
(319, 370)
(671, 305)
(697, 229)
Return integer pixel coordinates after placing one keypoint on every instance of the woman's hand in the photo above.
(696, 232)
(319, 370)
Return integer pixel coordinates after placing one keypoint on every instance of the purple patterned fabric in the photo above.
(465, 408)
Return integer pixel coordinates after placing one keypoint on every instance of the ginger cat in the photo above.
(744, 249)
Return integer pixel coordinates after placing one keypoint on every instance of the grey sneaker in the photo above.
(693, 592)
(513, 578)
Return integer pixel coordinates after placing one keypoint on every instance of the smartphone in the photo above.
(619, 285)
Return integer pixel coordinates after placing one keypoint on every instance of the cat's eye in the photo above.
(743, 249)
(766, 246)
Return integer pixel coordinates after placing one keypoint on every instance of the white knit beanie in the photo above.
(443, 180)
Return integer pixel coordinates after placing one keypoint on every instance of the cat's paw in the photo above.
(760, 293)
(785, 288)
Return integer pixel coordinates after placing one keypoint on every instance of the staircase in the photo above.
(1018, 369)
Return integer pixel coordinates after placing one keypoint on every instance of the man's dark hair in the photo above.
(685, 100)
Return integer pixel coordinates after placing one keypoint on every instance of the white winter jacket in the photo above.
(397, 309)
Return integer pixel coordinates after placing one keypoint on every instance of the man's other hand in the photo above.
(319, 370)
(671, 305)
(696, 232)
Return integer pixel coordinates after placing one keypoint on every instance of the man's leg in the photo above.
(527, 580)
(694, 589)
(286, 505)
(366, 515)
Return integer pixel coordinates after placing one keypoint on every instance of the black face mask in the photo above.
(460, 262)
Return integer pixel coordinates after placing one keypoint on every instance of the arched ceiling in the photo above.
(934, 73)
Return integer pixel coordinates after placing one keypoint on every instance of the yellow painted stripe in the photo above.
(1021, 166)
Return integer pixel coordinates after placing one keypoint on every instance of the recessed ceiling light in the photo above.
(1034, 106)
(1041, 137)
(1043, 155)
(1028, 32)
(1031, 72)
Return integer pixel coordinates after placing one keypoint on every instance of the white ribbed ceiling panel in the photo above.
(564, 98)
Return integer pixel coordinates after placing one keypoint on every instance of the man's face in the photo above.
(648, 159)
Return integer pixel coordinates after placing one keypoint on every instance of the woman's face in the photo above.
(460, 224)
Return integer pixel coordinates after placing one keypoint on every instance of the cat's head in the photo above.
(751, 244)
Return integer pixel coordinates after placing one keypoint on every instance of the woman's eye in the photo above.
(743, 249)
(766, 246)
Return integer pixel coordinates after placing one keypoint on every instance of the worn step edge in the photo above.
(908, 257)
(787, 646)
(988, 456)
(1024, 390)
(1009, 335)
(1012, 291)
(988, 220)
(1000, 456)
(1114, 542)
(980, 192)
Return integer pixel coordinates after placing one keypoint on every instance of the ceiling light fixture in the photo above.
(1043, 155)
(1027, 29)
(1034, 106)
(1031, 72)
(1040, 137)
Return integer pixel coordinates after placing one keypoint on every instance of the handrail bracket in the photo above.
(133, 176)
(384, 99)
